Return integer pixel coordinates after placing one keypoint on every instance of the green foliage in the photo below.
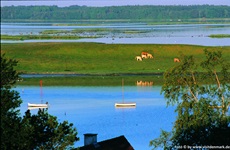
(10, 119)
(157, 13)
(40, 131)
(46, 133)
(178, 78)
(202, 102)
(9, 76)
(162, 141)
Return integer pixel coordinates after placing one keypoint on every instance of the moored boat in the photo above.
(37, 105)
(122, 105)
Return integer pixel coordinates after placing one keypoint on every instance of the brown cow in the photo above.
(176, 60)
(144, 53)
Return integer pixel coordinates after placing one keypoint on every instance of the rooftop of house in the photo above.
(117, 143)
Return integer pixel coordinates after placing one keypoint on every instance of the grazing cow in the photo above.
(144, 53)
(138, 58)
(176, 60)
(143, 56)
(149, 55)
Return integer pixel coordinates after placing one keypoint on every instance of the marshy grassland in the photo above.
(97, 58)
(219, 35)
(69, 34)
(43, 37)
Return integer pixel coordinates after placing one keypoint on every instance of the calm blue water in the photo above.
(194, 34)
(91, 109)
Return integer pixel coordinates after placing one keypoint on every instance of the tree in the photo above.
(114, 12)
(202, 100)
(39, 131)
(10, 119)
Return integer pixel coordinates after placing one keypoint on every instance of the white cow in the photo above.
(138, 58)
(144, 56)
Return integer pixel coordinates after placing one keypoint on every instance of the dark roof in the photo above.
(118, 143)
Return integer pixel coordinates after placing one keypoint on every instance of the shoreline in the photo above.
(28, 75)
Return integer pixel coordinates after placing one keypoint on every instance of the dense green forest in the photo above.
(159, 13)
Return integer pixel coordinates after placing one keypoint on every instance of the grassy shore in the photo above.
(97, 59)
(42, 37)
(219, 35)
(94, 81)
(98, 22)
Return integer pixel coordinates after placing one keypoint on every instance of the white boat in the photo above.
(37, 105)
(124, 104)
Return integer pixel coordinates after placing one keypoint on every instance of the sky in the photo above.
(100, 3)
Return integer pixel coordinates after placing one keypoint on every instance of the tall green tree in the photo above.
(38, 131)
(202, 101)
(10, 101)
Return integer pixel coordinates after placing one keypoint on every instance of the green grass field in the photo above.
(96, 58)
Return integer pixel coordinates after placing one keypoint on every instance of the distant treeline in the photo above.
(115, 12)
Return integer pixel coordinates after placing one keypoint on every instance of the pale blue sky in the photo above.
(63, 3)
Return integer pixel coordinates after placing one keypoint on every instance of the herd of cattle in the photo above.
(145, 55)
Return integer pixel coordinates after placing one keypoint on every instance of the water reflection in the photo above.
(37, 108)
(144, 83)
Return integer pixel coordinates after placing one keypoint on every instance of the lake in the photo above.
(91, 110)
(194, 34)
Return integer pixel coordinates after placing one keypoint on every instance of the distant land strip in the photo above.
(152, 14)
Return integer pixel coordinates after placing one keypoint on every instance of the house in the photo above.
(117, 143)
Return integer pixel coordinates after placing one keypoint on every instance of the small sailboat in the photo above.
(124, 104)
(38, 105)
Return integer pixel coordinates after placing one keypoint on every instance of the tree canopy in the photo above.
(159, 13)
(38, 131)
(202, 101)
